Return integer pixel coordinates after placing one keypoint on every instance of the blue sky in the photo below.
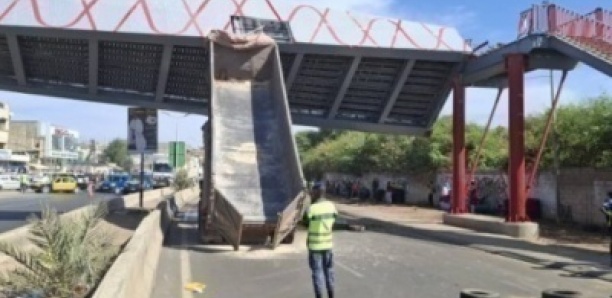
(495, 21)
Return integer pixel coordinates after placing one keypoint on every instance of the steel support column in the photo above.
(515, 66)
(458, 191)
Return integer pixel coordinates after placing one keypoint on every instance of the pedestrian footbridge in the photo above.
(342, 70)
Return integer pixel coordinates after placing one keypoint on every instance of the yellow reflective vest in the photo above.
(320, 217)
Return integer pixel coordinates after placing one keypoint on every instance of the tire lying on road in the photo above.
(559, 293)
(476, 293)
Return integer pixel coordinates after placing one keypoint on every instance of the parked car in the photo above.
(114, 183)
(65, 184)
(9, 182)
(133, 185)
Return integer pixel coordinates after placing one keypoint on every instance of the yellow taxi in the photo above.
(65, 184)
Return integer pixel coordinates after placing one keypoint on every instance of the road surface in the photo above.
(371, 264)
(16, 207)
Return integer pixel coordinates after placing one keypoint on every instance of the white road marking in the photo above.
(349, 269)
(185, 266)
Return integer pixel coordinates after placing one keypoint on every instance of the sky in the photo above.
(477, 20)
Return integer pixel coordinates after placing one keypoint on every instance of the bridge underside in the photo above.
(358, 88)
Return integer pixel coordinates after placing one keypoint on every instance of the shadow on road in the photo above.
(588, 264)
(17, 215)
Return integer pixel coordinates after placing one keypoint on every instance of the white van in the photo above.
(9, 182)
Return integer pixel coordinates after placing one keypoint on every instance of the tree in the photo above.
(117, 152)
(69, 258)
(182, 180)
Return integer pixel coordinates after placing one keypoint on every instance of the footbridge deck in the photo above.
(341, 70)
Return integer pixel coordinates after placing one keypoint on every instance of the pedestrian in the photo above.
(389, 194)
(90, 188)
(23, 179)
(606, 208)
(320, 218)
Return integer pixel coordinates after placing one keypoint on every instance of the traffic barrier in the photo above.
(477, 293)
(560, 293)
(133, 272)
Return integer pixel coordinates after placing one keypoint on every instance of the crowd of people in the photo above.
(356, 189)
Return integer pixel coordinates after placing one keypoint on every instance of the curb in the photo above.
(132, 274)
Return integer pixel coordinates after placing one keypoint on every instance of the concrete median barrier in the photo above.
(494, 225)
(133, 272)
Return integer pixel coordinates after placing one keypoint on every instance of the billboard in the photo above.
(59, 142)
(142, 130)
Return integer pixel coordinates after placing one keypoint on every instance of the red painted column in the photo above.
(515, 67)
(459, 166)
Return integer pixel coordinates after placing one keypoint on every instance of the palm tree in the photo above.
(69, 257)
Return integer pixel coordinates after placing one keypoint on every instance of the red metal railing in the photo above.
(592, 30)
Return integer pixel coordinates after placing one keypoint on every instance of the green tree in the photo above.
(117, 153)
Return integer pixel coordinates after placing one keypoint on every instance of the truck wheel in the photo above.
(45, 189)
(475, 293)
(558, 293)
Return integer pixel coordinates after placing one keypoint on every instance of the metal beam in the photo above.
(305, 120)
(397, 88)
(164, 69)
(13, 45)
(105, 97)
(343, 87)
(295, 67)
(93, 66)
(441, 97)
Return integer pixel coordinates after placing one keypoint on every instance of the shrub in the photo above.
(68, 260)
(182, 180)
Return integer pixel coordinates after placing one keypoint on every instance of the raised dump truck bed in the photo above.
(253, 181)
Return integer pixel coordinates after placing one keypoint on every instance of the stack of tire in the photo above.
(552, 293)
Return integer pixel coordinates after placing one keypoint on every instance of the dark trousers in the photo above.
(322, 266)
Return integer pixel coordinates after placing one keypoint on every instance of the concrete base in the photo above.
(488, 224)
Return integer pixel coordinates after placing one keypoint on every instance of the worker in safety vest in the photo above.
(606, 208)
(320, 218)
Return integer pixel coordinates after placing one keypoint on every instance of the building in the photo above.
(5, 119)
(45, 143)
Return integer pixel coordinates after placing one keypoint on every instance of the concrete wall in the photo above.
(582, 192)
(494, 186)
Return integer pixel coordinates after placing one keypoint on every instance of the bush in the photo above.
(182, 180)
(69, 258)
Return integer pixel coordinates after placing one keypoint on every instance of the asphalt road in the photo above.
(371, 264)
(16, 207)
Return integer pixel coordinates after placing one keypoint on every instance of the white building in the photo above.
(5, 119)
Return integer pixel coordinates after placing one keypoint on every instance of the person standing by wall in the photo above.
(319, 219)
(606, 208)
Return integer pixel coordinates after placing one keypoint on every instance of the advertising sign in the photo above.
(142, 130)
